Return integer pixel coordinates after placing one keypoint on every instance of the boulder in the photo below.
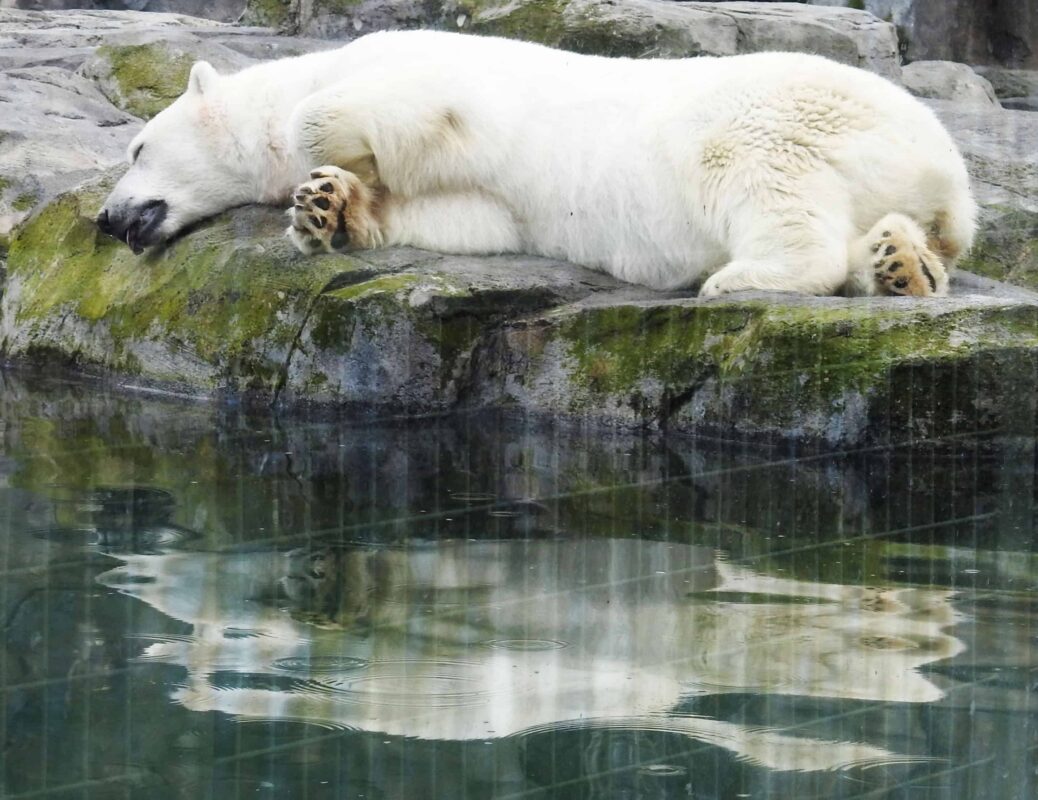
(836, 370)
(999, 32)
(1021, 103)
(642, 28)
(1016, 88)
(638, 28)
(144, 73)
(1001, 151)
(1010, 82)
(222, 10)
(946, 80)
(56, 129)
(68, 39)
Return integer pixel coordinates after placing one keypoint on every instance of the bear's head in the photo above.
(186, 164)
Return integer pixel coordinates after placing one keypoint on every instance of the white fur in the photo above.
(763, 169)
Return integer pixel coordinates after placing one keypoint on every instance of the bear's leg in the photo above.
(334, 211)
(895, 257)
(798, 248)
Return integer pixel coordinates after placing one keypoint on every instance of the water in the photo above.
(207, 603)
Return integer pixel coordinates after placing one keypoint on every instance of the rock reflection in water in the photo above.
(479, 640)
(113, 519)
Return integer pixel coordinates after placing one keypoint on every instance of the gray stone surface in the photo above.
(68, 39)
(56, 129)
(1010, 82)
(835, 370)
(631, 28)
(222, 10)
(946, 80)
(1021, 103)
(1002, 32)
(1001, 151)
(144, 72)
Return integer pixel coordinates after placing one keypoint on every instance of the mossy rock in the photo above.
(403, 331)
(1007, 246)
(650, 28)
(834, 370)
(639, 30)
(232, 307)
(217, 309)
(143, 79)
(143, 74)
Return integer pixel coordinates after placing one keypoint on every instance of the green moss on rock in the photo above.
(806, 369)
(277, 14)
(146, 77)
(396, 338)
(24, 202)
(558, 24)
(220, 307)
(1007, 247)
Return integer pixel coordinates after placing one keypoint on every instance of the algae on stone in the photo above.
(24, 202)
(840, 371)
(1006, 247)
(144, 78)
(405, 338)
(278, 14)
(218, 309)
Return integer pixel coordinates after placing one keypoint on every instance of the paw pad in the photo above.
(901, 268)
(319, 212)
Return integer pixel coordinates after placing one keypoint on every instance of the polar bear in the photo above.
(772, 171)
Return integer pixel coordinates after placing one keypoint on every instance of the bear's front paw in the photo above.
(332, 212)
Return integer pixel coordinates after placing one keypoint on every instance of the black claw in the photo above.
(341, 237)
(929, 276)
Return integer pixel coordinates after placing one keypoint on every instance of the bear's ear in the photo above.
(203, 77)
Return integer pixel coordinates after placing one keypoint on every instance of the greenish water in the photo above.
(206, 603)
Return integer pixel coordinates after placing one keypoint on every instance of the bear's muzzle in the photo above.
(138, 225)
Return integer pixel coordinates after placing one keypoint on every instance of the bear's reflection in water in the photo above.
(476, 640)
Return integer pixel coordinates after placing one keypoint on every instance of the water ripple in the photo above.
(525, 645)
(410, 684)
(320, 664)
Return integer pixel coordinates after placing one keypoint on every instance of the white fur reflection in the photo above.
(475, 640)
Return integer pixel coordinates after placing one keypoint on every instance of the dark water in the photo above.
(201, 603)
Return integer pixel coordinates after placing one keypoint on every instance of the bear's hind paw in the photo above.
(902, 263)
(332, 212)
